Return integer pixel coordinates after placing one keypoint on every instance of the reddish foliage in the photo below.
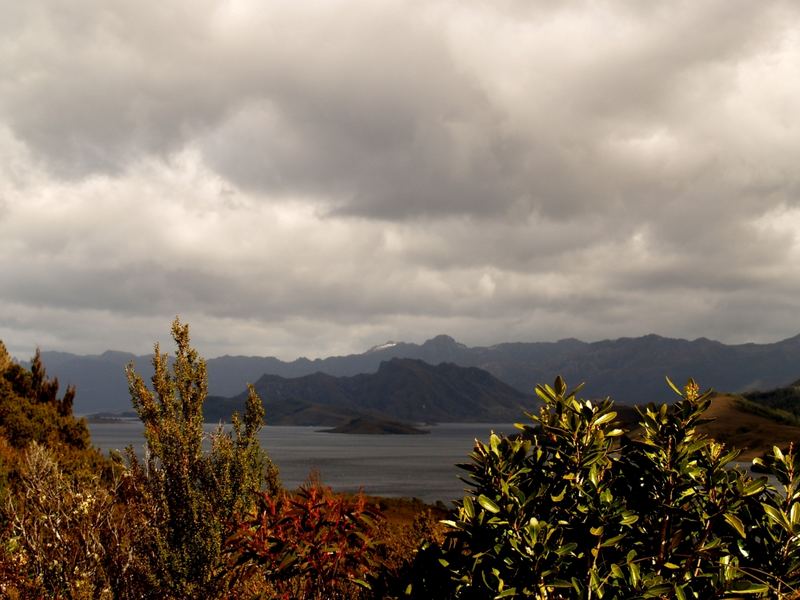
(312, 544)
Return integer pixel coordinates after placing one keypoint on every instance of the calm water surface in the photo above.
(421, 466)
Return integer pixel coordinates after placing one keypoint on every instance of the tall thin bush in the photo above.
(194, 496)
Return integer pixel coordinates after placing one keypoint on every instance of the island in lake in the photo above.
(372, 426)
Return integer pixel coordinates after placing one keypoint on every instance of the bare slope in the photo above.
(739, 423)
(738, 426)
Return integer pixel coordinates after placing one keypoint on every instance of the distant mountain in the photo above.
(402, 389)
(631, 370)
(99, 379)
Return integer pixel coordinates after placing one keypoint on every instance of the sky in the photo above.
(311, 178)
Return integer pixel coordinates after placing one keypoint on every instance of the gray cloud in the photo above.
(319, 177)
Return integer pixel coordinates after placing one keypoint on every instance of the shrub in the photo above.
(577, 507)
(313, 544)
(192, 497)
(404, 553)
(32, 412)
(68, 538)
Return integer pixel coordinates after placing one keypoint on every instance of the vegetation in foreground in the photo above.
(572, 507)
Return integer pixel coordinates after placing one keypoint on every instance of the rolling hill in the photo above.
(738, 422)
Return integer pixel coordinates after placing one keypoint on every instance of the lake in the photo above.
(420, 466)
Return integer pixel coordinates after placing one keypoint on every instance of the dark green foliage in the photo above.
(774, 548)
(193, 496)
(777, 415)
(783, 399)
(575, 508)
(31, 411)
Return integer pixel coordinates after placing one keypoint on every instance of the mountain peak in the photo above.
(404, 389)
(442, 340)
(117, 356)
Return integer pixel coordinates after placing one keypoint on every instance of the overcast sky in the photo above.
(315, 177)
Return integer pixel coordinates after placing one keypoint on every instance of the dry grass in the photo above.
(731, 424)
(753, 434)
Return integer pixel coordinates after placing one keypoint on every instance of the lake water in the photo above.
(421, 466)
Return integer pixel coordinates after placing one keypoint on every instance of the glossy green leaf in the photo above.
(488, 504)
(674, 387)
(469, 508)
(749, 587)
(736, 523)
(605, 418)
(679, 593)
(777, 516)
(754, 487)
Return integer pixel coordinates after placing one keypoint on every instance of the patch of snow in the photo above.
(383, 346)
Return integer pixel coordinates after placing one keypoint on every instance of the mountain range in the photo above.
(631, 370)
(402, 389)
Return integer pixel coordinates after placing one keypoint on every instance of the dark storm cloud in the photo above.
(398, 124)
(376, 112)
(320, 176)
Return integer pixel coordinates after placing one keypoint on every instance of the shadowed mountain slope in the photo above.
(401, 389)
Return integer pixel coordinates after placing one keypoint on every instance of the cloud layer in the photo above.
(315, 177)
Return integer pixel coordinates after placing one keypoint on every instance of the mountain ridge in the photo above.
(629, 369)
(401, 389)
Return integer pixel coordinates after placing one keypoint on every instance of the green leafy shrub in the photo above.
(576, 507)
(192, 497)
(32, 411)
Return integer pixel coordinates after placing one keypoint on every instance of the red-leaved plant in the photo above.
(311, 544)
